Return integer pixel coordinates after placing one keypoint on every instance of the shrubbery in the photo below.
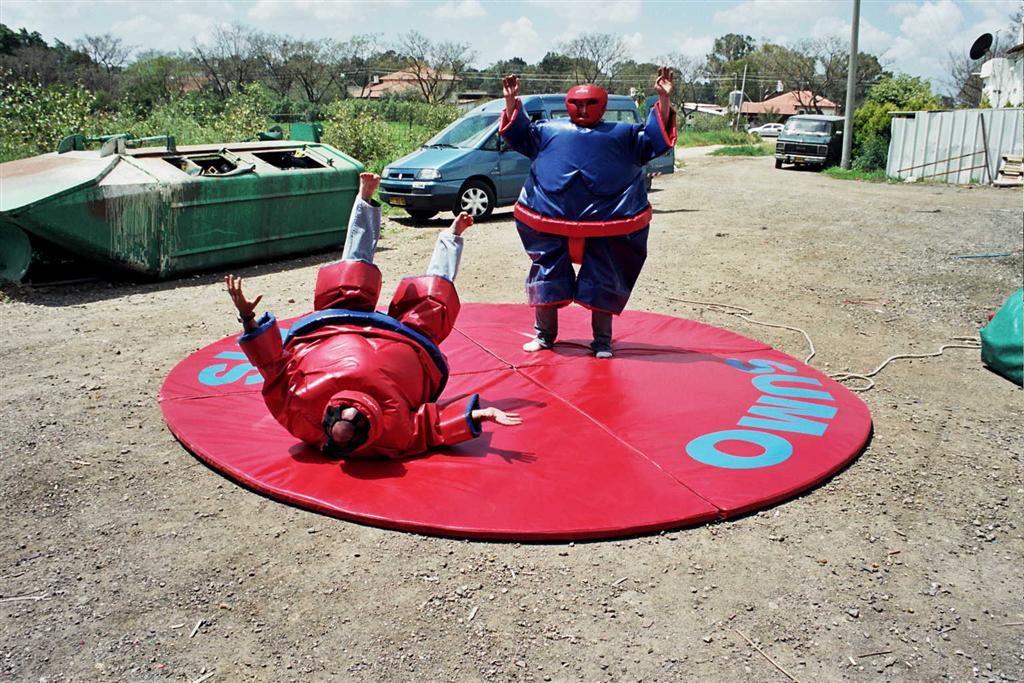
(872, 124)
(35, 118)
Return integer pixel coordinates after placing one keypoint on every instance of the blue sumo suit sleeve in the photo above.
(652, 139)
(519, 133)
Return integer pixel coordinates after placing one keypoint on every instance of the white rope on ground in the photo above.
(743, 313)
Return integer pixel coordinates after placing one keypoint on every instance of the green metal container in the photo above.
(164, 211)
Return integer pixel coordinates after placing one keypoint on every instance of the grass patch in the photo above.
(745, 151)
(840, 173)
(696, 138)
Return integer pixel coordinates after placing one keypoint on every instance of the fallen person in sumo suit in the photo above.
(357, 383)
(585, 202)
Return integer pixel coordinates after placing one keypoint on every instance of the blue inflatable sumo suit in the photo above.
(585, 202)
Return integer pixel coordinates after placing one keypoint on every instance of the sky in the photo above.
(909, 36)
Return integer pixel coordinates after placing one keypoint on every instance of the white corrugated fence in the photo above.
(960, 146)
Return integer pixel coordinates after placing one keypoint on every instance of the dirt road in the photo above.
(125, 559)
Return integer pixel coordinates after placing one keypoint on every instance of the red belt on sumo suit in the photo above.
(578, 231)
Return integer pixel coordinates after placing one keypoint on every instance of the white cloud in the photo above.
(690, 46)
(593, 15)
(317, 10)
(634, 43)
(926, 35)
(459, 9)
(776, 19)
(521, 40)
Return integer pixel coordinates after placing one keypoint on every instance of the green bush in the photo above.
(34, 118)
(357, 134)
(703, 123)
(246, 113)
(433, 116)
(872, 155)
(872, 124)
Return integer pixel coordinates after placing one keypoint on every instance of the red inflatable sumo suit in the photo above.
(344, 354)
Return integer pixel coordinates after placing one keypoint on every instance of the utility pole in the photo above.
(851, 88)
(743, 88)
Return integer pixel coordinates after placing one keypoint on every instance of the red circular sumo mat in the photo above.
(688, 423)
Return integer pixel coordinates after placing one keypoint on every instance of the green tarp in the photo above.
(1002, 340)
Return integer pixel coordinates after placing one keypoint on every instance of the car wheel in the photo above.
(778, 164)
(420, 216)
(475, 198)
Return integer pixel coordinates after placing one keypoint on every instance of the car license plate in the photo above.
(397, 201)
(799, 159)
(419, 186)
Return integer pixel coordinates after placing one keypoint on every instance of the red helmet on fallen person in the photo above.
(594, 100)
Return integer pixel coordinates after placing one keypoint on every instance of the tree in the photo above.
(273, 53)
(817, 69)
(690, 79)
(358, 55)
(228, 60)
(963, 82)
(595, 55)
(728, 48)
(109, 52)
(16, 40)
(911, 93)
(152, 79)
(436, 67)
(286, 62)
(872, 123)
(553, 73)
(26, 56)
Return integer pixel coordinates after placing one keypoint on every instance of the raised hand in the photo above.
(462, 223)
(510, 87)
(246, 308)
(663, 83)
(368, 183)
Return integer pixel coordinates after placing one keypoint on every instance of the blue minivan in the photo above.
(468, 167)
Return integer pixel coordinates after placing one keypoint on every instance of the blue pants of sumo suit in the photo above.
(610, 268)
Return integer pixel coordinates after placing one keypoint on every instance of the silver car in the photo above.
(768, 130)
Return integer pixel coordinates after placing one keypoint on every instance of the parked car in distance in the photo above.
(468, 167)
(811, 140)
(768, 130)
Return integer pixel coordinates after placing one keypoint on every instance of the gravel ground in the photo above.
(125, 559)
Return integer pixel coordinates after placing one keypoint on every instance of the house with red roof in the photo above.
(789, 104)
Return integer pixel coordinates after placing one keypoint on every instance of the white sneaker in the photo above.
(535, 345)
(603, 354)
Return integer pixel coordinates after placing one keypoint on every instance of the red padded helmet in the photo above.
(596, 100)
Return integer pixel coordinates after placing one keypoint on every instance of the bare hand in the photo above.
(497, 416)
(462, 223)
(246, 308)
(368, 183)
(663, 83)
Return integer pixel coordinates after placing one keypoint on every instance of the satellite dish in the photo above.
(981, 46)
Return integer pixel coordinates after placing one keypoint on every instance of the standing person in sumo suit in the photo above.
(354, 382)
(585, 202)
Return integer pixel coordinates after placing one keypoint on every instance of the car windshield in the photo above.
(466, 132)
(806, 126)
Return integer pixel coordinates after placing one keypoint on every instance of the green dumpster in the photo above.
(162, 211)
